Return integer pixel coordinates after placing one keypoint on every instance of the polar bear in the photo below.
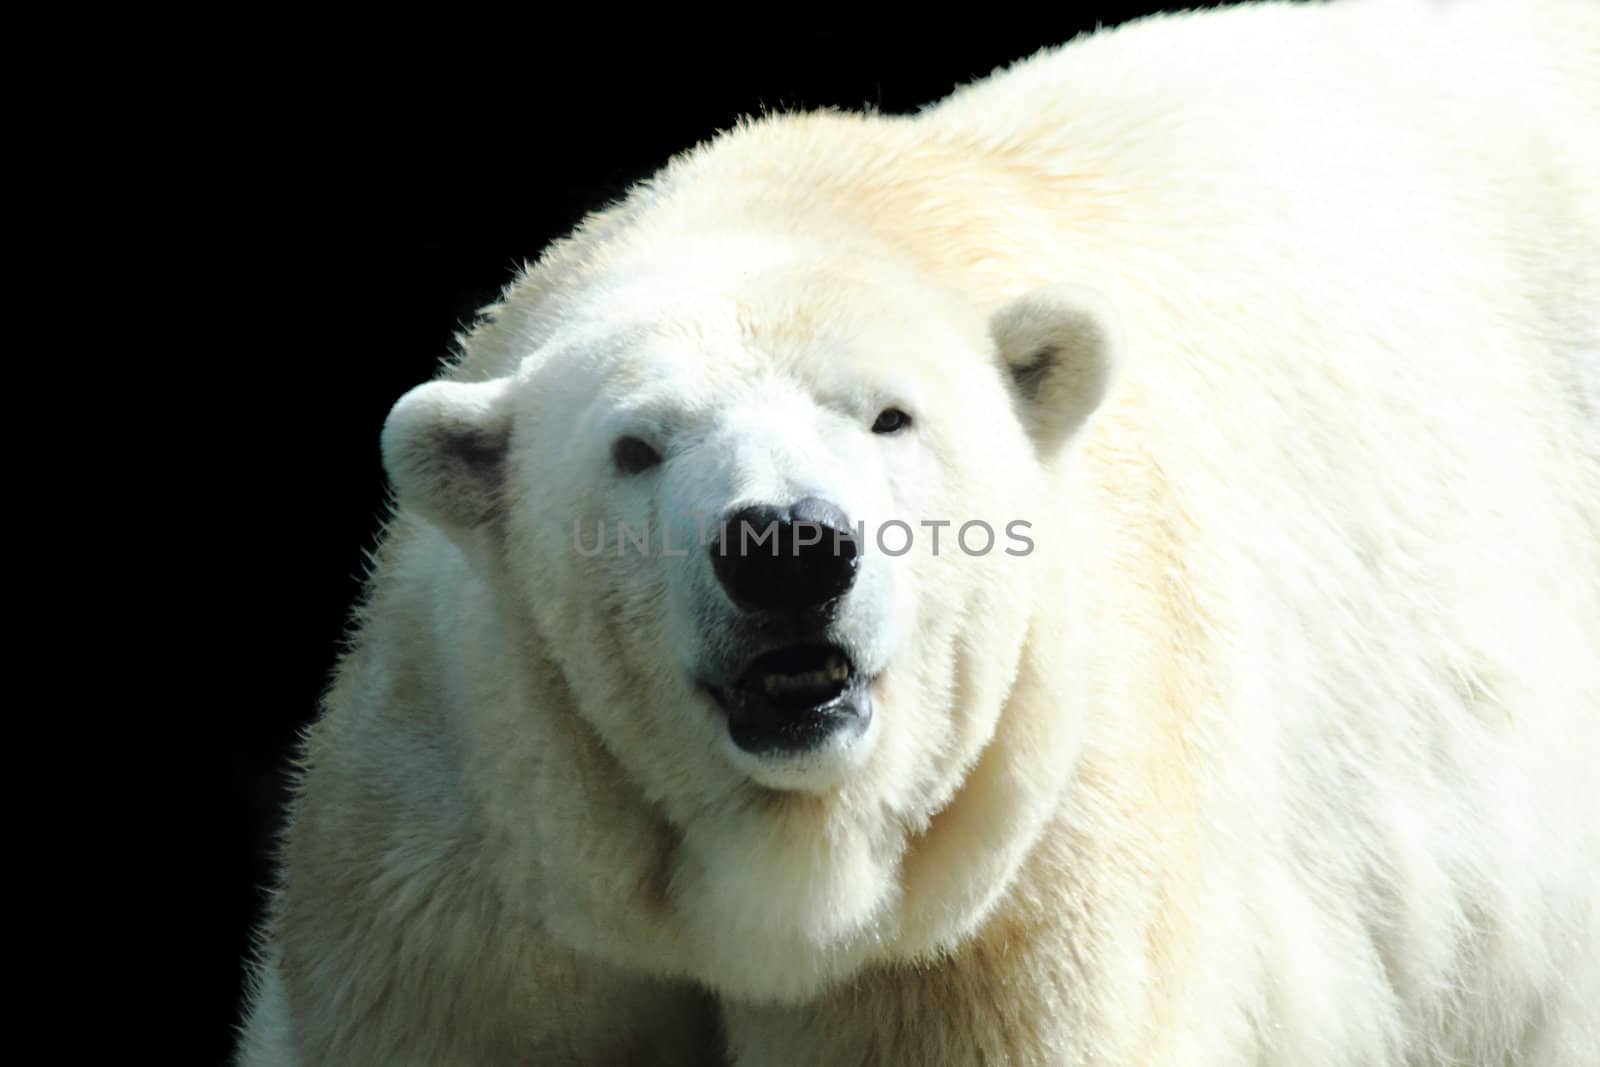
(1105, 570)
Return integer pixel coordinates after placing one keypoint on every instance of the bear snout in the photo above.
(785, 559)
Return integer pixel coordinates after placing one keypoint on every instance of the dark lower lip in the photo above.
(769, 727)
(761, 733)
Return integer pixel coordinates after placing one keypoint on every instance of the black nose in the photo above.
(785, 559)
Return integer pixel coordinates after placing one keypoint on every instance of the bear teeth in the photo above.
(837, 670)
(798, 676)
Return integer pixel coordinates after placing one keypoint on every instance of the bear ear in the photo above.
(1060, 346)
(444, 448)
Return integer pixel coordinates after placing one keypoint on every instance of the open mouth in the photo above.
(798, 677)
(794, 698)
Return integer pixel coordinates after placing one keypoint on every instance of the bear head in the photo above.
(781, 521)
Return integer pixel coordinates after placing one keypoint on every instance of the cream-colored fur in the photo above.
(1278, 748)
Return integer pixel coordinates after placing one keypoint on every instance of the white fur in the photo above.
(1277, 749)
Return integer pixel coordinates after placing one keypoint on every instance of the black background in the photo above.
(386, 198)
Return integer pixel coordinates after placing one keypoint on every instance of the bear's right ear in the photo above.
(1060, 345)
(444, 448)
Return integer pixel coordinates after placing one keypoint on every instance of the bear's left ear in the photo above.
(1060, 346)
(444, 448)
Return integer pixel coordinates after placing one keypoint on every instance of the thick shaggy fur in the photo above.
(1278, 749)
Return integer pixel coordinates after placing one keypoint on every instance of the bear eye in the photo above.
(891, 420)
(633, 456)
